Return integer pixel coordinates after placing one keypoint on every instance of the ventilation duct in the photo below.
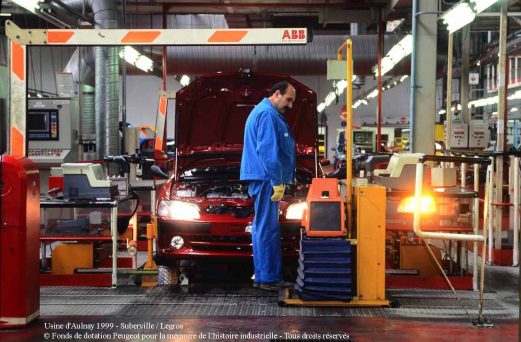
(106, 77)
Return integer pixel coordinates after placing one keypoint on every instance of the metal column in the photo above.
(448, 121)
(500, 141)
(423, 82)
(464, 86)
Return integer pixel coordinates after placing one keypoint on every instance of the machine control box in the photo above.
(459, 135)
(478, 134)
(86, 181)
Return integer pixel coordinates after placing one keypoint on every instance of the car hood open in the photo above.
(211, 113)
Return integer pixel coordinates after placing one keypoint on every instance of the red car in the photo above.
(203, 210)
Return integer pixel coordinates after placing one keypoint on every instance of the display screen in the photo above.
(37, 122)
(43, 124)
(365, 137)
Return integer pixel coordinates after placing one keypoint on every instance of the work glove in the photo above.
(278, 192)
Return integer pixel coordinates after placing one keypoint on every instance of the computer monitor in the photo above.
(43, 124)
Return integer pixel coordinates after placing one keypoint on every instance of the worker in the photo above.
(268, 162)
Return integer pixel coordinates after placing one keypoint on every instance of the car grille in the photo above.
(239, 212)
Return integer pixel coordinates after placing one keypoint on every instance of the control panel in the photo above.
(52, 134)
(48, 156)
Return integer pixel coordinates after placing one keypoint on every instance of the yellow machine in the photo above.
(369, 241)
(366, 233)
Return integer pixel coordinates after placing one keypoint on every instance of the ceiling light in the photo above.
(30, 5)
(442, 111)
(458, 16)
(340, 86)
(393, 24)
(330, 98)
(398, 52)
(403, 78)
(185, 80)
(133, 57)
(372, 94)
(514, 109)
(481, 5)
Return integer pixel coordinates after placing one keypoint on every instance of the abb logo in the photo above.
(294, 34)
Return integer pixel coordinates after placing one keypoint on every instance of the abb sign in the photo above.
(293, 34)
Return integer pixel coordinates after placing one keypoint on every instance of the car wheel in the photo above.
(167, 275)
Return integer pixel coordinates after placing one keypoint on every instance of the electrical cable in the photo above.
(446, 278)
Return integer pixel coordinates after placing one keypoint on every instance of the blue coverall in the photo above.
(268, 159)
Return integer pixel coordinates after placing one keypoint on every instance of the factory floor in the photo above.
(227, 311)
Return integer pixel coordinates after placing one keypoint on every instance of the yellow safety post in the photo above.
(148, 280)
(348, 46)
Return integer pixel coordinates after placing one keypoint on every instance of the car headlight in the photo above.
(178, 210)
(296, 210)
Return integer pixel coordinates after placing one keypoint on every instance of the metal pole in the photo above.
(501, 111)
(475, 226)
(380, 92)
(515, 253)
(114, 232)
(448, 121)
(412, 99)
(124, 88)
(490, 216)
(464, 86)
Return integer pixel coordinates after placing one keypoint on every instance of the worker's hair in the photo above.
(280, 86)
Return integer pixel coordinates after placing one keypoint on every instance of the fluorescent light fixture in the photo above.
(330, 98)
(30, 5)
(5, 14)
(442, 111)
(481, 5)
(393, 25)
(321, 107)
(398, 52)
(185, 80)
(341, 86)
(458, 16)
(372, 94)
(492, 100)
(133, 57)
(514, 109)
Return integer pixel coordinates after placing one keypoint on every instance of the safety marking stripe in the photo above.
(17, 142)
(162, 105)
(227, 36)
(158, 144)
(56, 37)
(18, 60)
(140, 36)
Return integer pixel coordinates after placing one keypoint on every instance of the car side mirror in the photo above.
(156, 171)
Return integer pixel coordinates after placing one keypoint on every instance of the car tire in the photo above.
(167, 275)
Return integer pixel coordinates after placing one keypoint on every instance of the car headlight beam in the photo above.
(296, 210)
(178, 210)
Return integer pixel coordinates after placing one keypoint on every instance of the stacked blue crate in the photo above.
(325, 270)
